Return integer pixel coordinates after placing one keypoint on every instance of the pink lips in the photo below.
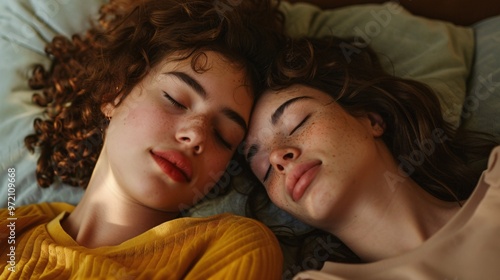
(300, 178)
(174, 164)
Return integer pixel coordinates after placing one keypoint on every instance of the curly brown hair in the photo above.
(130, 38)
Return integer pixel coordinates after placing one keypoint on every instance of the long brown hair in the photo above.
(130, 38)
(428, 148)
(353, 76)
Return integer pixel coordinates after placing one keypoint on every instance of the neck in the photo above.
(392, 216)
(106, 217)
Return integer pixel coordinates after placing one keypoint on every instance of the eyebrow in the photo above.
(281, 109)
(254, 149)
(193, 84)
(190, 81)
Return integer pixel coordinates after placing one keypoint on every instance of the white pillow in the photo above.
(25, 28)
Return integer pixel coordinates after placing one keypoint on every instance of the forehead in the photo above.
(224, 81)
(203, 62)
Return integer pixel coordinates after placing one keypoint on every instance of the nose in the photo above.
(193, 135)
(281, 158)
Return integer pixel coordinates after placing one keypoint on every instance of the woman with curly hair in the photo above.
(144, 111)
(367, 157)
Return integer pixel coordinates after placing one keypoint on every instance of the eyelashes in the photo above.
(220, 139)
(300, 124)
(268, 172)
(173, 101)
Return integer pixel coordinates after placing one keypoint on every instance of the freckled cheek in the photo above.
(142, 114)
(146, 123)
(276, 191)
(318, 138)
(335, 136)
(215, 163)
(275, 198)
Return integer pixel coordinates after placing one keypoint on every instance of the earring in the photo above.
(107, 120)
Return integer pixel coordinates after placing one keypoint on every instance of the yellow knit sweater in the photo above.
(218, 247)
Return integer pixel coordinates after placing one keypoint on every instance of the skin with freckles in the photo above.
(165, 142)
(356, 152)
(332, 170)
(165, 113)
(313, 130)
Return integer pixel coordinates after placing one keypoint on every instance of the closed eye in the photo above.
(222, 141)
(300, 124)
(173, 101)
(268, 172)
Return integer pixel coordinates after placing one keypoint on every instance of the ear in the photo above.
(109, 108)
(377, 124)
